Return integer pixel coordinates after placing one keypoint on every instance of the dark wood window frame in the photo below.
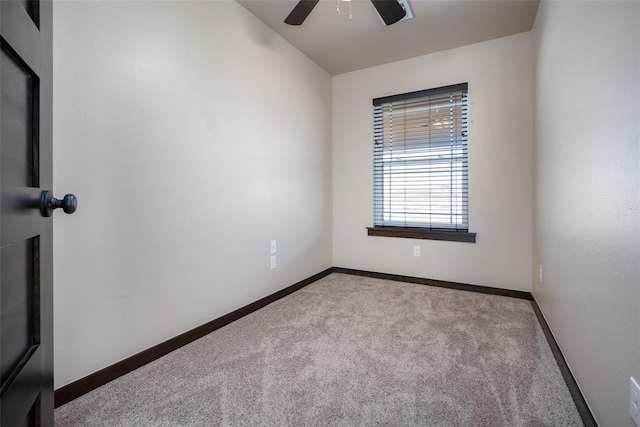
(417, 231)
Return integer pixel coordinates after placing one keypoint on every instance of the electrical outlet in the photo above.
(634, 398)
(273, 247)
(416, 251)
(274, 262)
(540, 272)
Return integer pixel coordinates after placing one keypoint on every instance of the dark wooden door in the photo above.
(26, 300)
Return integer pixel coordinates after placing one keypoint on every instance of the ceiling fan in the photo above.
(389, 10)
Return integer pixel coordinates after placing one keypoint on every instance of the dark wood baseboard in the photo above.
(569, 379)
(84, 385)
(90, 382)
(438, 283)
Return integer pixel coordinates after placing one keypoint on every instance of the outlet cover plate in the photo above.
(274, 262)
(273, 247)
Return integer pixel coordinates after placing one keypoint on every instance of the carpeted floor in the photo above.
(350, 351)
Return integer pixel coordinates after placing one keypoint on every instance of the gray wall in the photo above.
(500, 77)
(192, 135)
(587, 193)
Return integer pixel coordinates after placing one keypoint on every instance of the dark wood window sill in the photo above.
(422, 233)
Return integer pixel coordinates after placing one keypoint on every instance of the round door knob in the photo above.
(69, 203)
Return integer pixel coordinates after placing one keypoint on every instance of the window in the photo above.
(420, 165)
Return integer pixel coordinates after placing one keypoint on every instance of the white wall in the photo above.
(587, 197)
(499, 73)
(192, 135)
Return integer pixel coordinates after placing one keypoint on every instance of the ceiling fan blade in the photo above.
(300, 12)
(390, 10)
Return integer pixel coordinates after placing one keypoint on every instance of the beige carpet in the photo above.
(350, 351)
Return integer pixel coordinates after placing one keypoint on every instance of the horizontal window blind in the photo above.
(420, 159)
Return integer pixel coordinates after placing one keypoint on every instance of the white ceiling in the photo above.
(339, 45)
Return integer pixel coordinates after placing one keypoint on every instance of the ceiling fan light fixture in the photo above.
(391, 11)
